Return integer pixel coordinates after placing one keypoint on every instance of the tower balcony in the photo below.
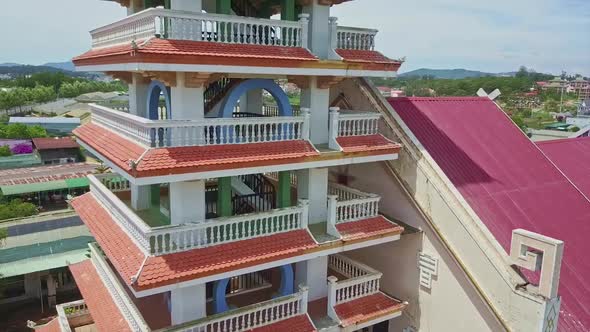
(144, 149)
(158, 35)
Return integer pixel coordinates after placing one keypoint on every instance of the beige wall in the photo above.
(452, 303)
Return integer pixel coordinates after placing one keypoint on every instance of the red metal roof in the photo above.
(367, 308)
(127, 258)
(572, 156)
(368, 228)
(104, 311)
(299, 323)
(509, 183)
(15, 176)
(367, 143)
(47, 143)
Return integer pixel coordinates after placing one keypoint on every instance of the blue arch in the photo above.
(153, 100)
(219, 301)
(227, 107)
(287, 283)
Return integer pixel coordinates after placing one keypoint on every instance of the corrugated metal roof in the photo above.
(509, 183)
(34, 120)
(77, 183)
(33, 187)
(572, 156)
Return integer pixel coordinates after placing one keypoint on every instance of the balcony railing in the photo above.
(356, 38)
(362, 280)
(199, 234)
(70, 311)
(208, 131)
(351, 124)
(182, 25)
(251, 317)
(347, 204)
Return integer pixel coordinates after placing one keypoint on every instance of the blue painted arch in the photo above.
(232, 98)
(153, 100)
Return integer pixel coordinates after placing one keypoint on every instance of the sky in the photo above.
(491, 36)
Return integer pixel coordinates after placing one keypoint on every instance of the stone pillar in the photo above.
(188, 304)
(138, 93)
(314, 274)
(284, 193)
(318, 101)
(141, 197)
(187, 5)
(319, 33)
(187, 103)
(224, 197)
(312, 185)
(187, 202)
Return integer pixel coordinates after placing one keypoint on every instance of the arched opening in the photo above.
(234, 95)
(155, 110)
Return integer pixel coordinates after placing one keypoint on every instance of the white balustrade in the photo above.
(362, 280)
(182, 25)
(114, 182)
(347, 204)
(345, 193)
(208, 131)
(356, 38)
(358, 124)
(67, 311)
(253, 316)
(118, 293)
(200, 234)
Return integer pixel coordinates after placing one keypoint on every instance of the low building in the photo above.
(58, 150)
(58, 126)
(46, 186)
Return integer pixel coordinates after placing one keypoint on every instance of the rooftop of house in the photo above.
(51, 143)
(42, 174)
(36, 120)
(509, 183)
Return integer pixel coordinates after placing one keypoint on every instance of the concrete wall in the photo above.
(452, 303)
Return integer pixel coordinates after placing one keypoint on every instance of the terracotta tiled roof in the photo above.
(164, 161)
(55, 143)
(367, 143)
(52, 326)
(41, 174)
(104, 311)
(509, 183)
(365, 57)
(112, 146)
(366, 308)
(299, 323)
(127, 258)
(362, 229)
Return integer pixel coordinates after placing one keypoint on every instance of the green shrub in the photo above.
(5, 151)
(17, 209)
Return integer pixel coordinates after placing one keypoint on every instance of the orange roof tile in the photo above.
(367, 143)
(366, 308)
(299, 323)
(112, 146)
(51, 143)
(158, 271)
(52, 326)
(362, 229)
(104, 311)
(365, 56)
(164, 161)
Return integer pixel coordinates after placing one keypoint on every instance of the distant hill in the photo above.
(450, 73)
(67, 65)
(9, 64)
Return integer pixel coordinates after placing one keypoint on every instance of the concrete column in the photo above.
(187, 202)
(188, 304)
(312, 184)
(187, 5)
(314, 274)
(288, 10)
(318, 101)
(141, 197)
(252, 102)
(187, 103)
(319, 34)
(138, 91)
(284, 193)
(51, 292)
(224, 197)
